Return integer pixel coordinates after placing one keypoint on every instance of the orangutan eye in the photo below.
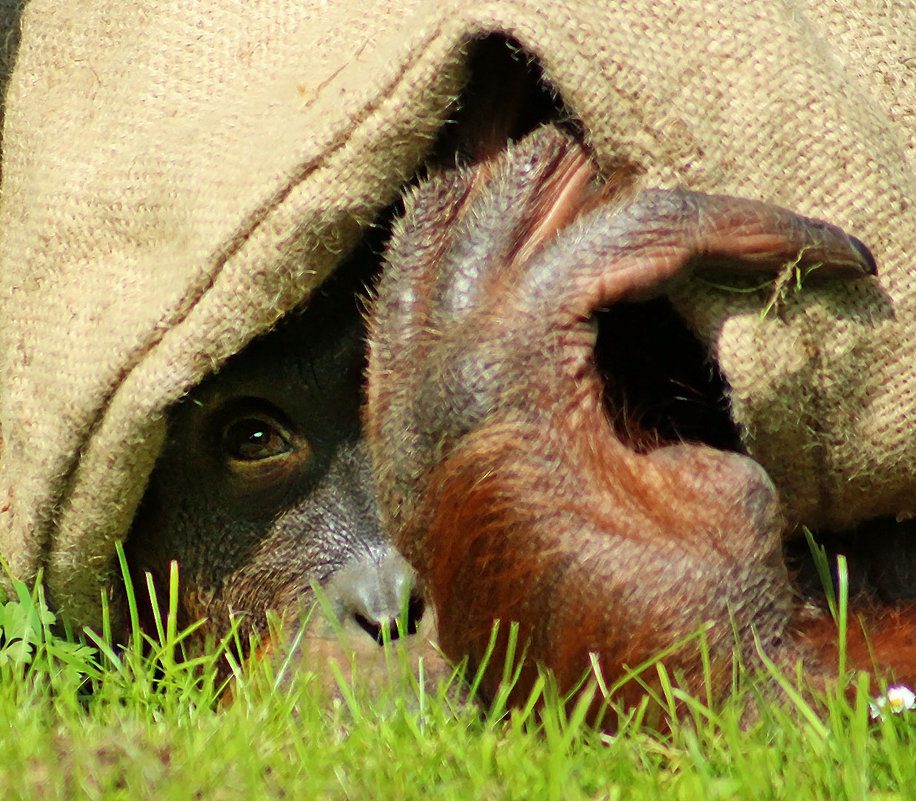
(254, 438)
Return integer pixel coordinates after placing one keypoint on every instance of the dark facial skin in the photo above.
(264, 488)
(505, 467)
(500, 474)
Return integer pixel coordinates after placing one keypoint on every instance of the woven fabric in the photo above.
(177, 176)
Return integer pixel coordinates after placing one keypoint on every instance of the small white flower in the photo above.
(897, 699)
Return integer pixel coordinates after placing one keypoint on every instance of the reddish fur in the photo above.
(500, 474)
(881, 639)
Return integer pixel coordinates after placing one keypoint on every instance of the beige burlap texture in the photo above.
(176, 176)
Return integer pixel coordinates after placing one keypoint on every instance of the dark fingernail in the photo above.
(871, 267)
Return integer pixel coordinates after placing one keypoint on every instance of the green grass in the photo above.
(79, 719)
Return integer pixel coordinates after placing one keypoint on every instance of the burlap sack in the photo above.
(177, 175)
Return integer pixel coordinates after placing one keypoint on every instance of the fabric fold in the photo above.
(175, 180)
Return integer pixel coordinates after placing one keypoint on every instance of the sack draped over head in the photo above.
(178, 176)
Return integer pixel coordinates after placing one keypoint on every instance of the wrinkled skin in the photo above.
(500, 461)
(500, 474)
(264, 491)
